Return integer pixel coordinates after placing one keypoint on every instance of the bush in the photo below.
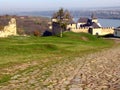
(47, 33)
(1, 28)
(20, 31)
(36, 33)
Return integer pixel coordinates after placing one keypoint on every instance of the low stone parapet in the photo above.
(80, 30)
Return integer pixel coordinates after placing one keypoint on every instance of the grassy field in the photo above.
(20, 54)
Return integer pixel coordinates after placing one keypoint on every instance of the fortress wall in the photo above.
(103, 31)
(80, 30)
(117, 32)
(9, 29)
(108, 30)
(71, 26)
(99, 31)
(96, 31)
(2, 34)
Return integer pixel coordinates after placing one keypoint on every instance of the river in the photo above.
(107, 22)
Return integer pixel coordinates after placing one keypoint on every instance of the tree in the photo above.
(63, 15)
(68, 16)
(63, 18)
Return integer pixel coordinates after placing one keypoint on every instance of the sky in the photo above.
(30, 5)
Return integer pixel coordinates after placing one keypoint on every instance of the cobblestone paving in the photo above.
(97, 71)
(101, 71)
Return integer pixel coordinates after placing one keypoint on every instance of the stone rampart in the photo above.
(80, 30)
(99, 31)
(108, 30)
(9, 29)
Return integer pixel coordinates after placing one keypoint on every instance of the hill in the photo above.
(27, 24)
(34, 59)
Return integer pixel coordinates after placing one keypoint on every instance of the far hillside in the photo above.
(27, 24)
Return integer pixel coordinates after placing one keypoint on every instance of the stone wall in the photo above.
(99, 31)
(117, 32)
(71, 26)
(108, 30)
(103, 31)
(9, 29)
(80, 30)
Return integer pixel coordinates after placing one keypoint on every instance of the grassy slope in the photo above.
(18, 49)
(46, 50)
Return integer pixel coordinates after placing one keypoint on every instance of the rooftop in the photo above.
(82, 20)
(95, 25)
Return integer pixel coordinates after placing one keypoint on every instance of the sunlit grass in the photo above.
(20, 49)
(46, 51)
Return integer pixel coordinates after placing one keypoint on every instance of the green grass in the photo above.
(5, 78)
(20, 49)
(47, 50)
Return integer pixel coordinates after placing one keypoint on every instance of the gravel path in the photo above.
(97, 71)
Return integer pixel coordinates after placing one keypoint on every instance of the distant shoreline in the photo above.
(100, 13)
(105, 22)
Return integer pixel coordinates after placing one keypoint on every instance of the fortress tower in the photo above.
(94, 18)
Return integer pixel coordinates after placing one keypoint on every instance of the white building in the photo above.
(81, 21)
(117, 32)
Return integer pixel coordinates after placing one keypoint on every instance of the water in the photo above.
(107, 22)
(103, 22)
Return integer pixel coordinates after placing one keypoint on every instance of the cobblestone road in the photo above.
(101, 71)
(97, 71)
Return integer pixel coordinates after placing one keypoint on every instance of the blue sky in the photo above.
(54, 4)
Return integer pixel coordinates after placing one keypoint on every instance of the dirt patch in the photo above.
(84, 38)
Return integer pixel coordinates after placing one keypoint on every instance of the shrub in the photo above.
(20, 31)
(36, 33)
(1, 28)
(47, 33)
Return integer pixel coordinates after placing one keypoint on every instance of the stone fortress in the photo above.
(10, 29)
(87, 25)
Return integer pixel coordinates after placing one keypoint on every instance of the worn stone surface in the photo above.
(96, 71)
(101, 71)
